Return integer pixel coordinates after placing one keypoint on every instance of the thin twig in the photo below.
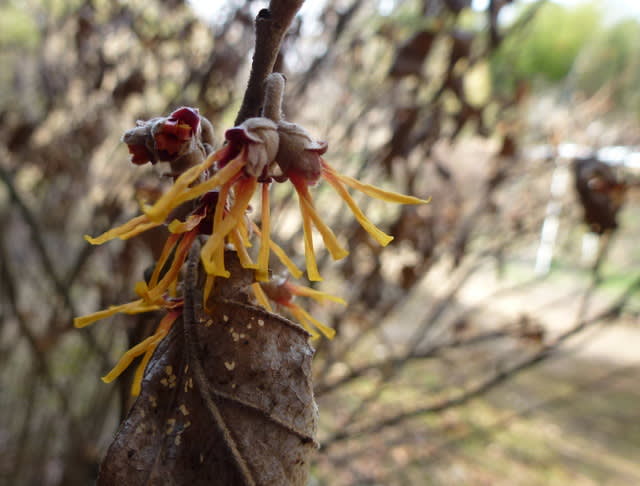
(487, 432)
(36, 234)
(395, 362)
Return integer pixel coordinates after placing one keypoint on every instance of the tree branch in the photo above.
(271, 26)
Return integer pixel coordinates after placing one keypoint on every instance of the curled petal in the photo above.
(309, 215)
(218, 254)
(146, 347)
(309, 322)
(177, 226)
(172, 274)
(135, 307)
(155, 293)
(136, 385)
(380, 236)
(131, 228)
(227, 173)
(244, 233)
(312, 293)
(370, 190)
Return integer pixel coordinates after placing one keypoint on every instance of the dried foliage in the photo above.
(227, 398)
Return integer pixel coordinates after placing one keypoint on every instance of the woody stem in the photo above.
(271, 26)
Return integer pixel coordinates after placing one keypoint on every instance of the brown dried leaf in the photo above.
(227, 399)
(601, 194)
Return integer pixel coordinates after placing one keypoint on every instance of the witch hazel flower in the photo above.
(300, 159)
(214, 189)
(183, 139)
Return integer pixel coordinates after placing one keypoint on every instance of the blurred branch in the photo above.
(396, 361)
(12, 296)
(485, 433)
(488, 384)
(342, 23)
(22, 441)
(36, 234)
(61, 287)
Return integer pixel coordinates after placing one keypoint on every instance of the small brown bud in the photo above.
(299, 154)
(260, 137)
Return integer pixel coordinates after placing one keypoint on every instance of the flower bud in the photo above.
(299, 154)
(260, 137)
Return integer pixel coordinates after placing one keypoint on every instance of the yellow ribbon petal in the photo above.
(135, 307)
(133, 227)
(261, 297)
(309, 255)
(241, 250)
(308, 321)
(216, 240)
(167, 202)
(373, 191)
(308, 212)
(314, 294)
(127, 358)
(169, 245)
(329, 238)
(136, 385)
(165, 282)
(160, 210)
(262, 274)
(380, 236)
(177, 226)
(208, 287)
(280, 253)
(161, 331)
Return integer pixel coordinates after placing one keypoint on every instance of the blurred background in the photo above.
(494, 342)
